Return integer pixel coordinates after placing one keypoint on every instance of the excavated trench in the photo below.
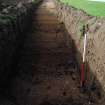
(48, 72)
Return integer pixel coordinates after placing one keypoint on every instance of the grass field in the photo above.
(93, 8)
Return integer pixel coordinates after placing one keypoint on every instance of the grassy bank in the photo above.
(91, 7)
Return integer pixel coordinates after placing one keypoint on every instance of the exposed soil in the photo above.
(74, 20)
(48, 74)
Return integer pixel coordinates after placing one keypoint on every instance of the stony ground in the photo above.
(48, 71)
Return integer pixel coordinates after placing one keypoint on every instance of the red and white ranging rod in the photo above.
(83, 68)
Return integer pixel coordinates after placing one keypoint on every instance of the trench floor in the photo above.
(48, 74)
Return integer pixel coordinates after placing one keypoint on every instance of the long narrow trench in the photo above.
(47, 69)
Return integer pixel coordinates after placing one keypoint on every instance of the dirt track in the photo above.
(48, 71)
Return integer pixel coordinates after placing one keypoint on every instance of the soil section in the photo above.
(74, 20)
(48, 73)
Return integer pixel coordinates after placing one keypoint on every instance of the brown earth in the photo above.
(74, 20)
(48, 74)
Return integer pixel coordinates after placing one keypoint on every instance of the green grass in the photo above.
(91, 7)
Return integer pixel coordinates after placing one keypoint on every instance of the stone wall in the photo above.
(74, 20)
(14, 23)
